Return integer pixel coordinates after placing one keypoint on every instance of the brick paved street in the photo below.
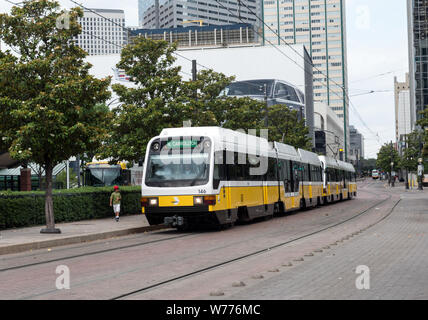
(310, 254)
(395, 250)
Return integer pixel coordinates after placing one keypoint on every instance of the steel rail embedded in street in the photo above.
(93, 253)
(197, 272)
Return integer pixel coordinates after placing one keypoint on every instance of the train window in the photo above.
(315, 173)
(253, 164)
(331, 174)
(272, 170)
(284, 174)
(305, 172)
(230, 165)
(219, 169)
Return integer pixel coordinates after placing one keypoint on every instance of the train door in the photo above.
(228, 158)
(259, 184)
(295, 178)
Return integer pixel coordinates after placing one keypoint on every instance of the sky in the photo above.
(376, 51)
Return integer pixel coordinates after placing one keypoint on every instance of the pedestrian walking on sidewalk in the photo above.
(115, 202)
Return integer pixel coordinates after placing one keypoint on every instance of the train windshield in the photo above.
(174, 170)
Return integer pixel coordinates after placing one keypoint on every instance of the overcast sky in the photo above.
(377, 44)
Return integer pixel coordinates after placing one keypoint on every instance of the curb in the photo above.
(16, 248)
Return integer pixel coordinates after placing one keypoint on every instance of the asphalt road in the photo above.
(311, 254)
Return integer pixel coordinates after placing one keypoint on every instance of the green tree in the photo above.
(153, 104)
(204, 107)
(285, 126)
(367, 165)
(386, 155)
(161, 99)
(47, 96)
(412, 152)
(61, 178)
(423, 122)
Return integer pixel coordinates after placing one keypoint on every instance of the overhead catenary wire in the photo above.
(284, 54)
(174, 53)
(320, 71)
(95, 36)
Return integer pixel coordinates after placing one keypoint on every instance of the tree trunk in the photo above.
(49, 212)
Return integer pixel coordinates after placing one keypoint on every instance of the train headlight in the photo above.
(149, 202)
(153, 202)
(197, 201)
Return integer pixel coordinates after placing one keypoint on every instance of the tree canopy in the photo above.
(387, 155)
(161, 99)
(48, 98)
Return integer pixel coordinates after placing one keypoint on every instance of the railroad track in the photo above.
(258, 252)
(94, 253)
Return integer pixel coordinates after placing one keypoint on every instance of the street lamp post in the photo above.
(391, 181)
(420, 174)
(266, 106)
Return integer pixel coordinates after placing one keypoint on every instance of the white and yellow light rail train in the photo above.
(211, 175)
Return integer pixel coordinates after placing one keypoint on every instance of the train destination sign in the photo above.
(174, 144)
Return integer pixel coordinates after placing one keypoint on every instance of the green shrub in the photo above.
(22, 209)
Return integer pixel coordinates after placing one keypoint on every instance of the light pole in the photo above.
(266, 106)
(420, 174)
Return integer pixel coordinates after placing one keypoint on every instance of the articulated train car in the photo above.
(211, 175)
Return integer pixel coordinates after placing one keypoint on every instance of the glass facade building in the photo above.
(321, 26)
(179, 13)
(418, 56)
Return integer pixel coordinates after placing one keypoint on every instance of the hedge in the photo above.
(23, 209)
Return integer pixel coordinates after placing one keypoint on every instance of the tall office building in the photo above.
(321, 26)
(357, 144)
(143, 5)
(418, 56)
(102, 31)
(403, 124)
(179, 13)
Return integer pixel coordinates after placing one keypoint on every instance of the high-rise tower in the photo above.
(321, 26)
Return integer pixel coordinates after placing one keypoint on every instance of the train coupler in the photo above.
(174, 221)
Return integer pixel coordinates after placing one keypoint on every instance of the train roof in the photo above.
(309, 157)
(329, 162)
(346, 166)
(225, 138)
(286, 151)
(336, 164)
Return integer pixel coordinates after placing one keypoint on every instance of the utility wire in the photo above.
(129, 30)
(320, 71)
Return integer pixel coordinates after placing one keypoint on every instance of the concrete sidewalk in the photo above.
(24, 239)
